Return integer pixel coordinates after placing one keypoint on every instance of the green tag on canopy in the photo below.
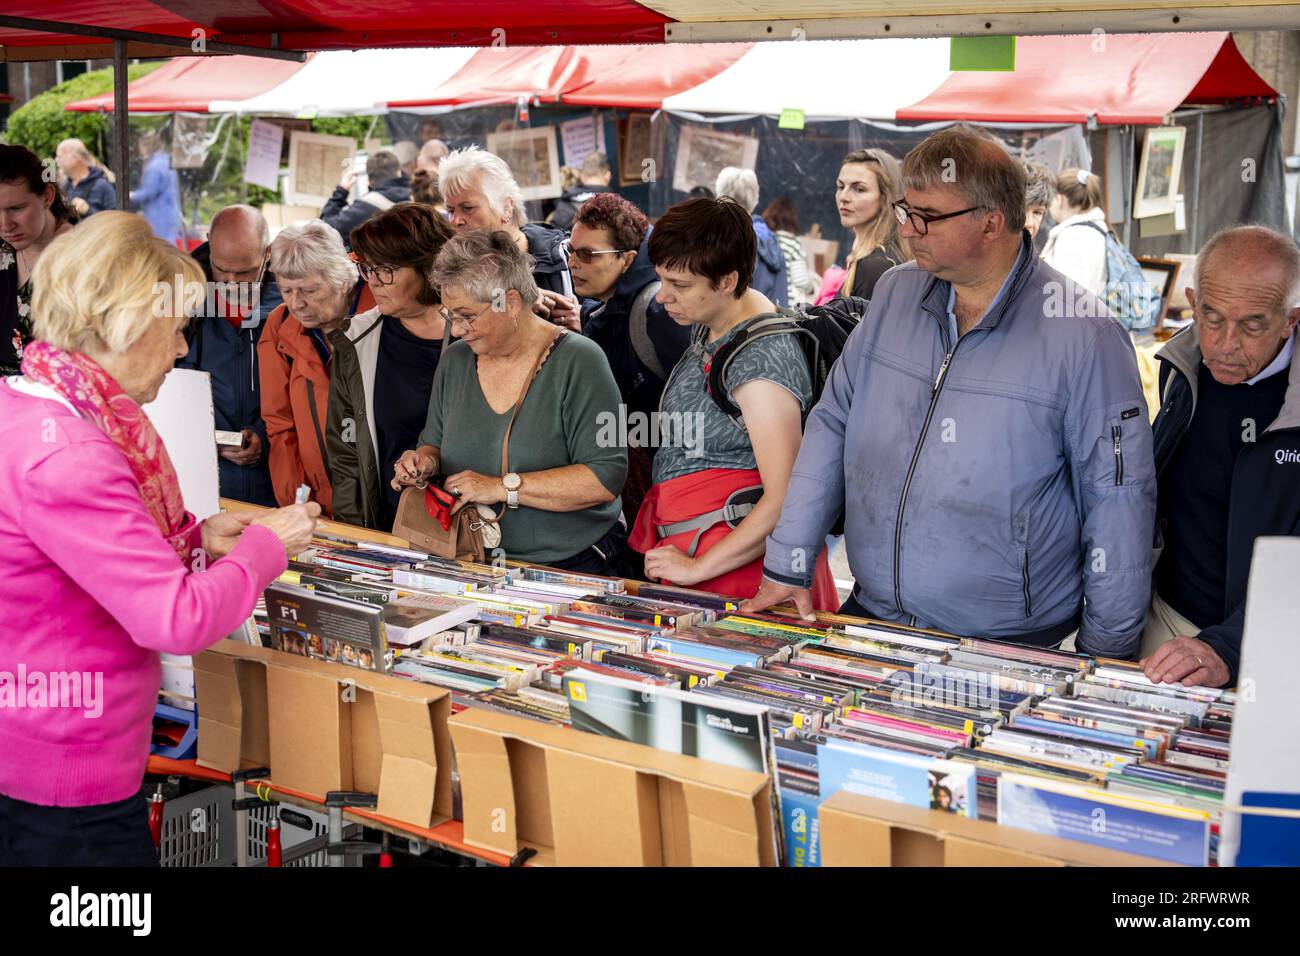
(306, 114)
(982, 54)
(790, 119)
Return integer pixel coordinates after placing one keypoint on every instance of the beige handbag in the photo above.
(423, 514)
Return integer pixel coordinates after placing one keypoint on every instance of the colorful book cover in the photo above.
(1077, 812)
(901, 778)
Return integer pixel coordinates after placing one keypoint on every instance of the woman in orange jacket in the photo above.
(321, 290)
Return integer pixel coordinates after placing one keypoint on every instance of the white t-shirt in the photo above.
(1079, 251)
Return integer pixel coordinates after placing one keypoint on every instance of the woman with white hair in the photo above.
(105, 569)
(481, 193)
(321, 289)
(521, 416)
(770, 274)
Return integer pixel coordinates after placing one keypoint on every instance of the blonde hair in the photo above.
(96, 287)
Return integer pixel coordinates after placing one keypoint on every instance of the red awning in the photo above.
(1118, 78)
(635, 77)
(189, 84)
(345, 24)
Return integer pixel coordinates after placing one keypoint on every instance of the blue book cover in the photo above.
(933, 784)
(800, 824)
(1131, 825)
(706, 652)
(1060, 728)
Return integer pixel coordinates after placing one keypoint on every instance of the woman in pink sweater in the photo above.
(102, 566)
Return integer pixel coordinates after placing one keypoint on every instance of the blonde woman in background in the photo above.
(1076, 246)
(866, 186)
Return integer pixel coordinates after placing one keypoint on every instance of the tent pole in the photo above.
(121, 127)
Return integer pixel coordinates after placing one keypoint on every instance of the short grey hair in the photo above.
(313, 248)
(245, 216)
(977, 165)
(483, 263)
(1257, 243)
(738, 184)
(472, 166)
(1041, 188)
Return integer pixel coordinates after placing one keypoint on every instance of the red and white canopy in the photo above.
(1117, 78)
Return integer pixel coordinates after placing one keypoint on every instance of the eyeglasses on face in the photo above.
(382, 275)
(588, 256)
(920, 221)
(465, 320)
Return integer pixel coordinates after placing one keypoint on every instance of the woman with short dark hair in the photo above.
(719, 477)
(384, 361)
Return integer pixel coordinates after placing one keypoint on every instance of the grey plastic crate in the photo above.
(199, 829)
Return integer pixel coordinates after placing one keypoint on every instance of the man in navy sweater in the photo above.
(241, 294)
(1227, 448)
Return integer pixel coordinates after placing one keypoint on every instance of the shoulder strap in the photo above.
(519, 403)
(759, 327)
(1100, 229)
(378, 200)
(637, 327)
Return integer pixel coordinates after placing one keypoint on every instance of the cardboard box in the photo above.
(862, 831)
(580, 799)
(321, 726)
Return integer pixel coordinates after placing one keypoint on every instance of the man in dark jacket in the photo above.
(85, 186)
(594, 178)
(241, 294)
(1227, 448)
(741, 185)
(388, 186)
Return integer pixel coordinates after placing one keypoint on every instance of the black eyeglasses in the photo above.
(588, 256)
(920, 221)
(383, 275)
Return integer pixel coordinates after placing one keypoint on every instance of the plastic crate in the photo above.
(199, 829)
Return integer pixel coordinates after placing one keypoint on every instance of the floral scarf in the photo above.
(97, 397)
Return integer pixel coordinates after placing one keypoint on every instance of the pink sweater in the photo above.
(89, 586)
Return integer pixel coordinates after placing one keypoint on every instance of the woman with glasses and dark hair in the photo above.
(385, 360)
(865, 188)
(294, 357)
(515, 377)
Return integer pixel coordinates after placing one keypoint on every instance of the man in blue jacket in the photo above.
(241, 294)
(984, 431)
(1227, 446)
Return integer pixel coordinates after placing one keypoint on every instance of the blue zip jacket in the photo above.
(229, 356)
(95, 189)
(159, 197)
(770, 276)
(1001, 485)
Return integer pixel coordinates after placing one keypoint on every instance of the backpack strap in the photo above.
(638, 330)
(784, 322)
(738, 504)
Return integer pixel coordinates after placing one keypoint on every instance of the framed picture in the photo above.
(533, 156)
(634, 148)
(1161, 275)
(703, 153)
(1159, 172)
(316, 164)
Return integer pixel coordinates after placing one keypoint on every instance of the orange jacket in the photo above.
(295, 400)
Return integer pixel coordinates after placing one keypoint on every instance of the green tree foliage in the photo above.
(42, 123)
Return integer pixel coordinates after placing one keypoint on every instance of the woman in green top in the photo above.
(562, 488)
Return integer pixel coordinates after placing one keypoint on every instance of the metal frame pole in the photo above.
(121, 125)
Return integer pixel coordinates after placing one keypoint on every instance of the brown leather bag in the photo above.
(417, 510)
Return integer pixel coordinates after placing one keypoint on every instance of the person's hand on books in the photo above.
(770, 592)
(221, 532)
(1188, 661)
(293, 525)
(670, 563)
